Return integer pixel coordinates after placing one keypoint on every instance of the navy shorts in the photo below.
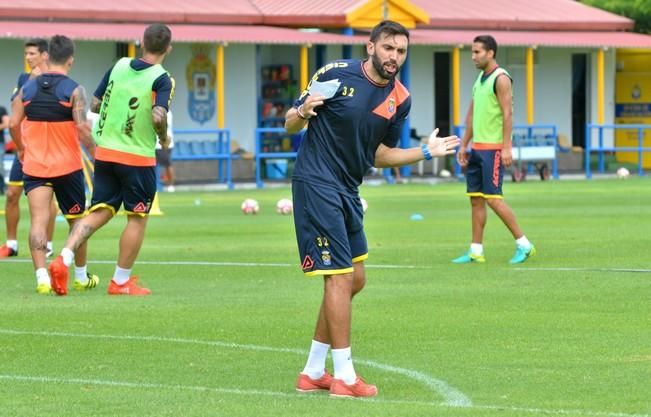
(115, 184)
(485, 173)
(329, 229)
(16, 173)
(69, 190)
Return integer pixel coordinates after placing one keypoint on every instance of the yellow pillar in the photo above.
(304, 67)
(529, 60)
(600, 85)
(220, 86)
(456, 87)
(131, 51)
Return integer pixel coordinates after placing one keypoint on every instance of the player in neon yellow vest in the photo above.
(488, 125)
(132, 101)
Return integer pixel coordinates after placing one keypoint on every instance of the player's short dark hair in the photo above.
(157, 38)
(489, 42)
(389, 28)
(39, 43)
(61, 48)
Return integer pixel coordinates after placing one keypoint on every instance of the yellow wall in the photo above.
(633, 101)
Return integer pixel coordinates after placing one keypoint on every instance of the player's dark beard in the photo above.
(379, 68)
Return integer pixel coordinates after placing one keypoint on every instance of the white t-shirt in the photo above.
(92, 118)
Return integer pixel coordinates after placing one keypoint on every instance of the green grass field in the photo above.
(231, 316)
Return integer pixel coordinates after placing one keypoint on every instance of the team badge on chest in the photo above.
(391, 105)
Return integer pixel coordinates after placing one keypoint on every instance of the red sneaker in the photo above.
(130, 287)
(306, 384)
(6, 251)
(59, 276)
(359, 389)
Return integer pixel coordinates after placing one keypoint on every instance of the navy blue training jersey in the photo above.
(341, 140)
(48, 98)
(163, 86)
(22, 79)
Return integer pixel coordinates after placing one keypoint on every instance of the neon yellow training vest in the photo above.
(487, 120)
(125, 122)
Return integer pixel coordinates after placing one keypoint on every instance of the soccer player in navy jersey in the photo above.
(348, 133)
(36, 55)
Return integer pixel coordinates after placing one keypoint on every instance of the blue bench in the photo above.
(261, 155)
(202, 144)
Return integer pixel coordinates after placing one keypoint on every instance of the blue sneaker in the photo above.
(469, 257)
(522, 254)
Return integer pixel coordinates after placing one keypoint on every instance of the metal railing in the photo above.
(262, 154)
(601, 149)
(538, 142)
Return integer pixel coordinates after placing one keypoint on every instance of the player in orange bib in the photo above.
(52, 107)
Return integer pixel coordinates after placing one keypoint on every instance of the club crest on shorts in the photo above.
(326, 258)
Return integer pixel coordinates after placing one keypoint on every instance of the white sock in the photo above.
(49, 246)
(121, 276)
(476, 248)
(68, 256)
(13, 244)
(42, 277)
(315, 366)
(80, 274)
(343, 363)
(523, 241)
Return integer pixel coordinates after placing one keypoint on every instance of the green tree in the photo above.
(637, 10)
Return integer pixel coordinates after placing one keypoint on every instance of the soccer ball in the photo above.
(284, 206)
(250, 206)
(623, 173)
(364, 205)
(444, 173)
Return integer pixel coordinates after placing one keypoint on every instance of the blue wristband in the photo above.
(426, 153)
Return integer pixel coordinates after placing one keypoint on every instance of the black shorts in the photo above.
(485, 174)
(69, 190)
(164, 157)
(16, 173)
(115, 184)
(329, 229)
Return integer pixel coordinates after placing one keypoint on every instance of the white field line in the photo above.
(451, 396)
(372, 266)
(570, 269)
(257, 393)
(240, 264)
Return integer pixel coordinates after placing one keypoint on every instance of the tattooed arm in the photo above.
(17, 116)
(95, 105)
(79, 116)
(159, 117)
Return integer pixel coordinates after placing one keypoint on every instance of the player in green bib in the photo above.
(488, 125)
(132, 100)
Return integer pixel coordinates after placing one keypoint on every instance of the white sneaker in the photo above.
(170, 189)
